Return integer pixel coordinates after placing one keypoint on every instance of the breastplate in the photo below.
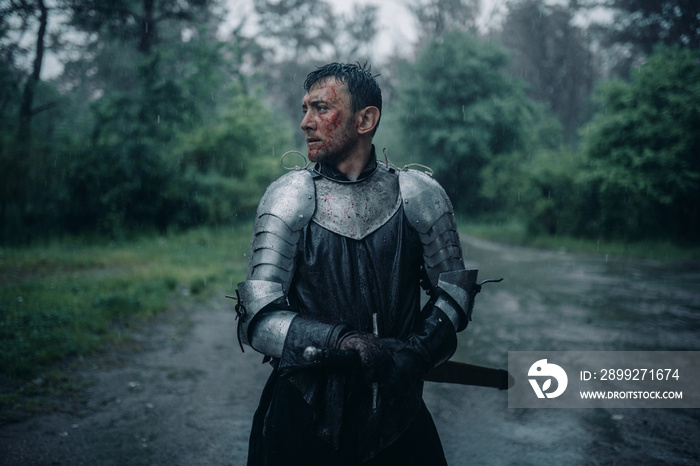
(357, 209)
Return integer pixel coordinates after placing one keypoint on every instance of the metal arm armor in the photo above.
(284, 210)
(457, 300)
(430, 213)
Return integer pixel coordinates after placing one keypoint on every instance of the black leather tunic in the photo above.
(341, 279)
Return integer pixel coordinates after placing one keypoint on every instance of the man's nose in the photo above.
(307, 122)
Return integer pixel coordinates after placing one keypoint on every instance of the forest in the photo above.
(577, 118)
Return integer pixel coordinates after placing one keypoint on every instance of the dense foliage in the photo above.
(645, 23)
(637, 173)
(642, 149)
(465, 118)
(159, 120)
(150, 132)
(553, 55)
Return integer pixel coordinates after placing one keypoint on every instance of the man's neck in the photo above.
(332, 172)
(352, 166)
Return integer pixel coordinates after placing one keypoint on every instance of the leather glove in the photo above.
(432, 342)
(375, 356)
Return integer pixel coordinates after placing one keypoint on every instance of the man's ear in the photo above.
(368, 120)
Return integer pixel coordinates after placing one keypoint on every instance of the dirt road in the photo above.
(187, 396)
(186, 399)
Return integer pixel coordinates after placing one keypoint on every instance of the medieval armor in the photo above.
(335, 253)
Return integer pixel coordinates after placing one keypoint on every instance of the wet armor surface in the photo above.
(360, 253)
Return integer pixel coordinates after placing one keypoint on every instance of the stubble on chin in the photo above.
(333, 158)
(321, 157)
(333, 155)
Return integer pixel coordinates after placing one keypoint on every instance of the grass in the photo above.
(515, 233)
(71, 298)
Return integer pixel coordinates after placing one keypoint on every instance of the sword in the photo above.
(469, 374)
(375, 385)
(447, 372)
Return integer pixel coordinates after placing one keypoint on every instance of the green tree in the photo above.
(437, 17)
(154, 97)
(643, 147)
(638, 25)
(28, 109)
(297, 36)
(554, 57)
(461, 113)
(228, 162)
(645, 23)
(545, 190)
(156, 74)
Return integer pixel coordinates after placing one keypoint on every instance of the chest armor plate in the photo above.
(357, 209)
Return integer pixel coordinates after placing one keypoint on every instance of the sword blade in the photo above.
(469, 374)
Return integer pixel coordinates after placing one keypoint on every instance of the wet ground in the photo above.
(188, 397)
(555, 301)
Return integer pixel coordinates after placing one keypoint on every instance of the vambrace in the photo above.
(272, 328)
(285, 208)
(434, 341)
(431, 344)
(456, 296)
(430, 212)
(253, 296)
(306, 330)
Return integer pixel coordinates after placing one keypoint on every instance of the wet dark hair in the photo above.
(363, 88)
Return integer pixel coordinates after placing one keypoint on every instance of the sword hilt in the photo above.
(331, 356)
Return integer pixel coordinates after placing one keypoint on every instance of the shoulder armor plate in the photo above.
(355, 210)
(290, 198)
(425, 201)
(429, 211)
(285, 209)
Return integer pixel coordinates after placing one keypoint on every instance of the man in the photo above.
(338, 257)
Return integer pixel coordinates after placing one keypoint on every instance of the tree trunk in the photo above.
(25, 110)
(148, 27)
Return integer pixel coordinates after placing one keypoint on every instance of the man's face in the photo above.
(328, 122)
